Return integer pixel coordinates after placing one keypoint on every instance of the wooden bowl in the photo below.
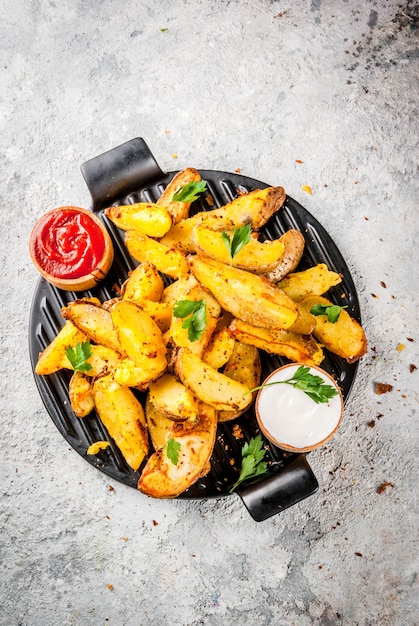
(71, 248)
(290, 419)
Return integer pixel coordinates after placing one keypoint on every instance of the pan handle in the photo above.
(119, 172)
(294, 482)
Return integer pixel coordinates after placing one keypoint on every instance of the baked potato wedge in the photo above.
(144, 283)
(209, 385)
(313, 281)
(220, 348)
(54, 358)
(80, 391)
(170, 397)
(167, 260)
(245, 295)
(161, 477)
(244, 366)
(149, 219)
(179, 236)
(298, 348)
(254, 256)
(345, 337)
(255, 208)
(178, 210)
(95, 321)
(123, 417)
(140, 337)
(294, 243)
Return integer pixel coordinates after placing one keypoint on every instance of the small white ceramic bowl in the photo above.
(290, 419)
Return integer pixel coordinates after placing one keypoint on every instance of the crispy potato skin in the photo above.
(246, 296)
(170, 397)
(163, 479)
(178, 210)
(123, 417)
(294, 244)
(298, 348)
(95, 321)
(80, 391)
(345, 337)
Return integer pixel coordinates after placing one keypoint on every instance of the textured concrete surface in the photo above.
(258, 86)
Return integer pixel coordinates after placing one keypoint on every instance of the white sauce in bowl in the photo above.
(290, 418)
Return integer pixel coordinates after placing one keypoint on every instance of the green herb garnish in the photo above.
(79, 356)
(253, 464)
(241, 236)
(332, 311)
(173, 450)
(314, 386)
(194, 313)
(190, 191)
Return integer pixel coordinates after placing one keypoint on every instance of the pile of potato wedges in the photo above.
(254, 301)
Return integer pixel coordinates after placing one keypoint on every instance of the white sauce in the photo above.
(291, 416)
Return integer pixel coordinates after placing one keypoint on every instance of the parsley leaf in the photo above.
(173, 450)
(194, 313)
(253, 464)
(332, 312)
(79, 355)
(241, 236)
(314, 386)
(190, 191)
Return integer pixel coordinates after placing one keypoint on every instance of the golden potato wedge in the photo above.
(172, 398)
(178, 288)
(161, 477)
(179, 335)
(254, 256)
(149, 219)
(123, 417)
(313, 281)
(139, 336)
(167, 260)
(345, 337)
(246, 296)
(159, 426)
(298, 348)
(294, 243)
(179, 236)
(178, 210)
(138, 375)
(94, 321)
(54, 358)
(80, 392)
(253, 208)
(244, 366)
(103, 360)
(220, 348)
(144, 283)
(160, 312)
(305, 322)
(209, 385)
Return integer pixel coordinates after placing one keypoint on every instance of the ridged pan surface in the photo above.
(46, 321)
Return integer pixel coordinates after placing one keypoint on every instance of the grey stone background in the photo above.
(219, 85)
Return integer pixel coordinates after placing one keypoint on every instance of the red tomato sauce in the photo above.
(68, 243)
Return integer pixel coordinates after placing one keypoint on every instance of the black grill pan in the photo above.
(129, 173)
